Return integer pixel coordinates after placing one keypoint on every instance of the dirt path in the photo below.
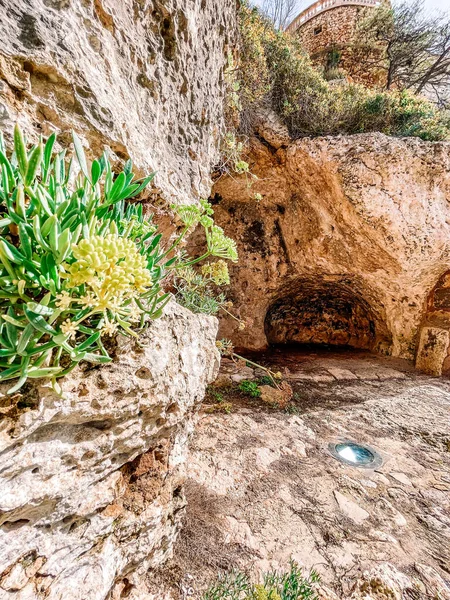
(263, 487)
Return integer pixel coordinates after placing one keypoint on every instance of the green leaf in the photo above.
(25, 338)
(20, 202)
(117, 188)
(11, 252)
(96, 171)
(33, 164)
(39, 322)
(43, 348)
(54, 235)
(23, 376)
(64, 244)
(37, 234)
(143, 185)
(90, 340)
(95, 358)
(8, 170)
(80, 154)
(128, 167)
(40, 309)
(5, 223)
(11, 329)
(20, 150)
(4, 353)
(43, 372)
(48, 154)
(129, 191)
(4, 259)
(12, 321)
(10, 373)
(48, 224)
(43, 199)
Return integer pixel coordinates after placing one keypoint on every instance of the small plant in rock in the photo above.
(291, 585)
(196, 289)
(77, 264)
(265, 380)
(233, 586)
(215, 395)
(226, 348)
(220, 407)
(291, 409)
(250, 388)
(216, 400)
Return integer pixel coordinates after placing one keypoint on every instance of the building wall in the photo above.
(334, 27)
(334, 30)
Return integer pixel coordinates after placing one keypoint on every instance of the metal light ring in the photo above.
(335, 450)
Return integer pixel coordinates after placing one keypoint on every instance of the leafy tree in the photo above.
(408, 46)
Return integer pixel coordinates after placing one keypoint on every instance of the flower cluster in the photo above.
(193, 214)
(111, 267)
(217, 272)
(221, 245)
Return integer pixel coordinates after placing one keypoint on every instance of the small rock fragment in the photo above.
(351, 509)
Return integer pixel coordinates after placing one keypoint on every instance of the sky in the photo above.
(431, 5)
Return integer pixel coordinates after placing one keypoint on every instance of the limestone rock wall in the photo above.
(91, 482)
(144, 77)
(350, 238)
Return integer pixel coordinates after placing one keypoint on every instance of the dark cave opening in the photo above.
(323, 315)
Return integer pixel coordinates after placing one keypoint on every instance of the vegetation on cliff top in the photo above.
(77, 263)
(274, 72)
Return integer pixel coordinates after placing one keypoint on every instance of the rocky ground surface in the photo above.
(263, 487)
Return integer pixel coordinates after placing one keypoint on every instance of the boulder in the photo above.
(91, 484)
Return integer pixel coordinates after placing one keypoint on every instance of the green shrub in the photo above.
(250, 388)
(77, 263)
(275, 72)
(292, 585)
(197, 289)
(266, 380)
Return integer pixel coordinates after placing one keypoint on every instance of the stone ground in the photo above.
(263, 487)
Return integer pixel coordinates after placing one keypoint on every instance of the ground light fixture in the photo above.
(354, 454)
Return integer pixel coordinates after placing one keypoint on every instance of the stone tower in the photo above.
(326, 30)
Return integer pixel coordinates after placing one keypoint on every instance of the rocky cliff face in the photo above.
(91, 485)
(144, 77)
(346, 245)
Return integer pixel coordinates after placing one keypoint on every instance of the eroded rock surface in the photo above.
(91, 483)
(144, 77)
(346, 245)
(264, 487)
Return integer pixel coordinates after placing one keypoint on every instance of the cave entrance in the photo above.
(323, 315)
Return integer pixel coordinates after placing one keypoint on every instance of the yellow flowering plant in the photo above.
(289, 585)
(196, 289)
(78, 263)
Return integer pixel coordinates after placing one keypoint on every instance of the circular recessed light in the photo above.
(355, 455)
